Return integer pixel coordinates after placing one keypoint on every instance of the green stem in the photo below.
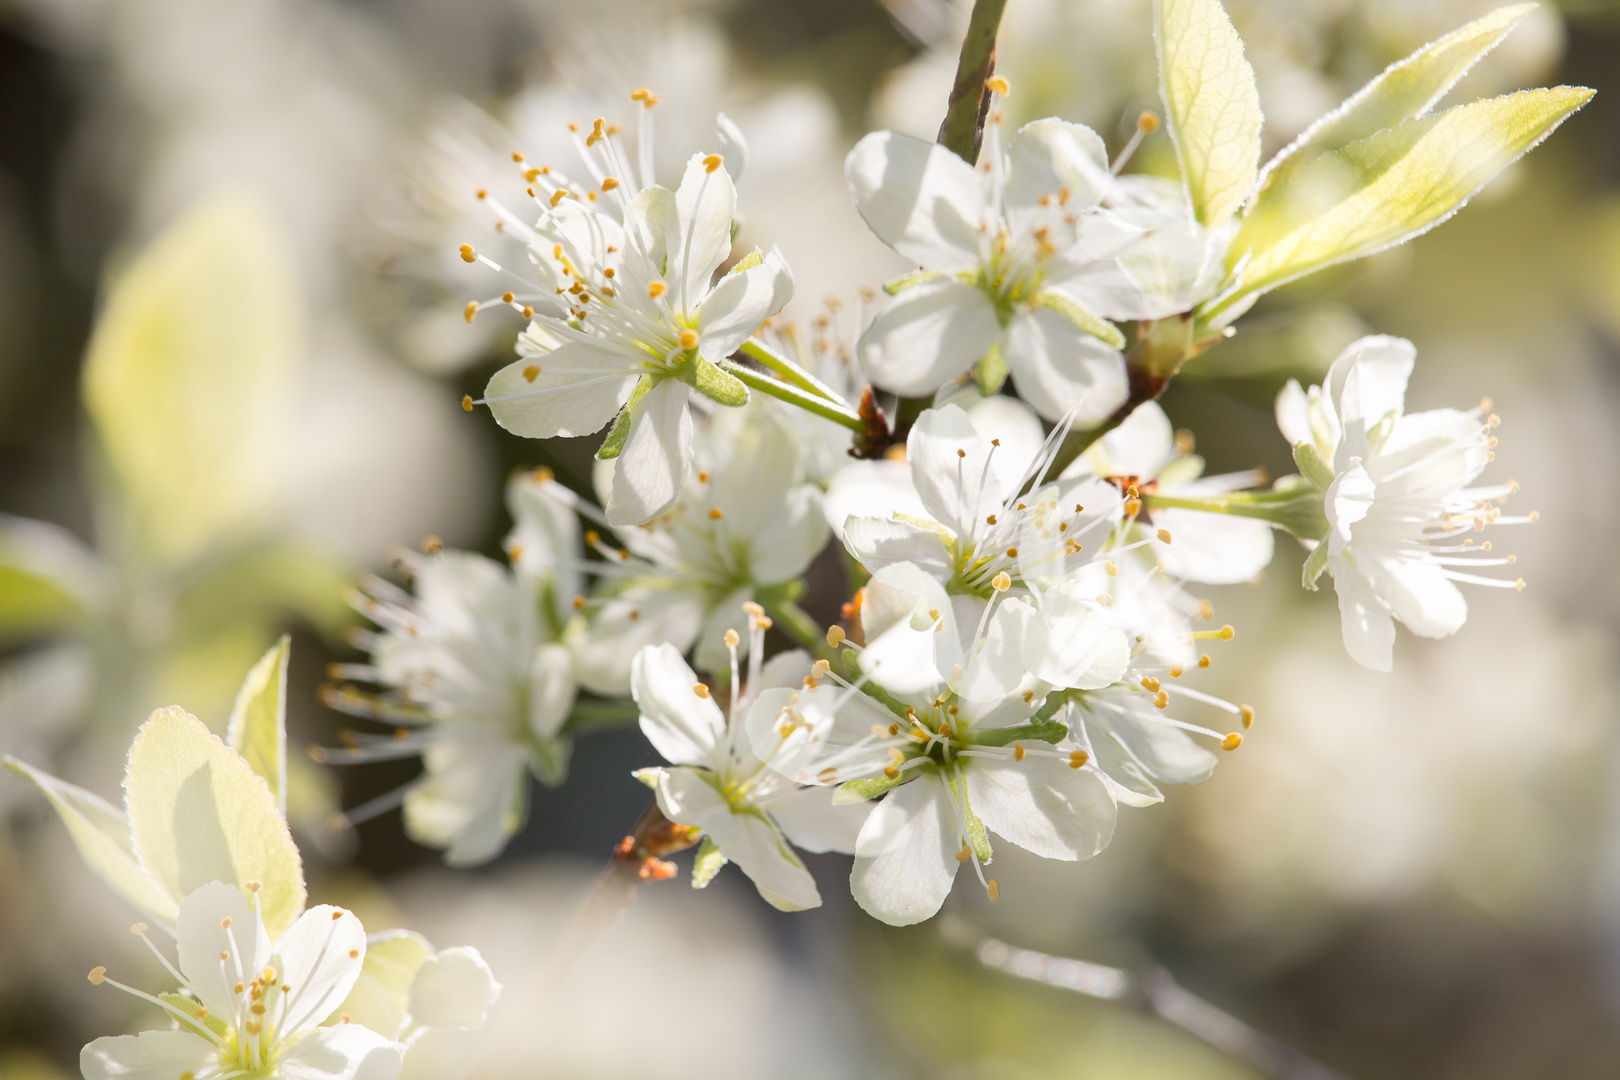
(595, 715)
(965, 111)
(1293, 504)
(794, 396)
(790, 371)
(797, 624)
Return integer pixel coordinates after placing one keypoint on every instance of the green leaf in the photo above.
(381, 996)
(101, 834)
(708, 863)
(1210, 102)
(1048, 731)
(199, 813)
(854, 791)
(49, 580)
(613, 445)
(258, 728)
(33, 606)
(991, 371)
(1315, 563)
(190, 371)
(718, 386)
(1085, 321)
(1389, 187)
(1312, 466)
(1407, 89)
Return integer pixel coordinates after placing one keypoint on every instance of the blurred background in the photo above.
(1403, 876)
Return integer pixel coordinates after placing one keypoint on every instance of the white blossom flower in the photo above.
(1397, 496)
(1022, 264)
(474, 671)
(626, 324)
(1145, 453)
(748, 812)
(407, 987)
(745, 529)
(248, 1006)
(953, 752)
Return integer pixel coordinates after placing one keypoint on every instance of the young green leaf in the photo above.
(188, 373)
(199, 813)
(381, 995)
(258, 728)
(1210, 102)
(49, 579)
(707, 864)
(1407, 89)
(1388, 188)
(101, 833)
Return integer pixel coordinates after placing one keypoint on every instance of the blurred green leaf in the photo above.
(258, 728)
(48, 579)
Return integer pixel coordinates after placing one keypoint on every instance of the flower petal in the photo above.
(551, 689)
(741, 301)
(919, 198)
(1043, 805)
(651, 613)
(453, 988)
(747, 839)
(1294, 413)
(1369, 632)
(1064, 163)
(319, 957)
(151, 1055)
(1419, 593)
(950, 468)
(879, 542)
(928, 335)
(216, 919)
(1085, 649)
(905, 856)
(871, 488)
(705, 205)
(343, 1052)
(811, 820)
(649, 472)
(1142, 445)
(1216, 549)
(1058, 367)
(473, 800)
(685, 728)
(1349, 499)
(576, 390)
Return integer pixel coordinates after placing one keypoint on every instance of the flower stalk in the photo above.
(809, 402)
(969, 104)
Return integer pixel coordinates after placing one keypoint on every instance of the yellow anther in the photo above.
(610, 183)
(1132, 492)
(470, 310)
(1148, 123)
(481, 193)
(1018, 751)
(1232, 741)
(820, 667)
(558, 196)
(657, 289)
(517, 156)
(753, 608)
(991, 520)
(732, 639)
(1133, 507)
(964, 855)
(530, 372)
(138, 929)
(890, 771)
(468, 254)
(1518, 584)
(1164, 536)
(998, 85)
(1001, 582)
(1078, 759)
(1175, 672)
(715, 513)
(712, 162)
(1227, 633)
(993, 887)
(700, 689)
(1535, 515)
(1206, 610)
(835, 636)
(1248, 716)
(827, 775)
(1162, 701)
(1012, 553)
(225, 923)
(579, 603)
(1150, 684)
(1108, 565)
(432, 545)
(689, 339)
(528, 312)
(98, 975)
(507, 298)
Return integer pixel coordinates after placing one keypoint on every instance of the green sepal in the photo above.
(1047, 731)
(1302, 511)
(747, 262)
(1085, 321)
(783, 592)
(977, 836)
(708, 863)
(649, 776)
(718, 386)
(197, 1021)
(548, 759)
(991, 371)
(613, 445)
(1312, 466)
(900, 284)
(854, 791)
(1315, 563)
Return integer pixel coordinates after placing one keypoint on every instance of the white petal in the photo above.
(879, 542)
(576, 391)
(928, 335)
(919, 198)
(545, 536)
(785, 670)
(826, 729)
(747, 839)
(949, 468)
(684, 728)
(642, 615)
(740, 302)
(652, 233)
(1367, 383)
(551, 689)
(1419, 593)
(1216, 549)
(1369, 632)
(1085, 649)
(873, 489)
(1349, 499)
(1138, 734)
(151, 1055)
(1058, 367)
(903, 648)
(706, 204)
(320, 957)
(201, 935)
(1057, 160)
(808, 817)
(1142, 445)
(1294, 413)
(343, 1052)
(905, 856)
(1043, 805)
(710, 653)
(1020, 434)
(1014, 638)
(649, 472)
(454, 988)
(472, 801)
(733, 147)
